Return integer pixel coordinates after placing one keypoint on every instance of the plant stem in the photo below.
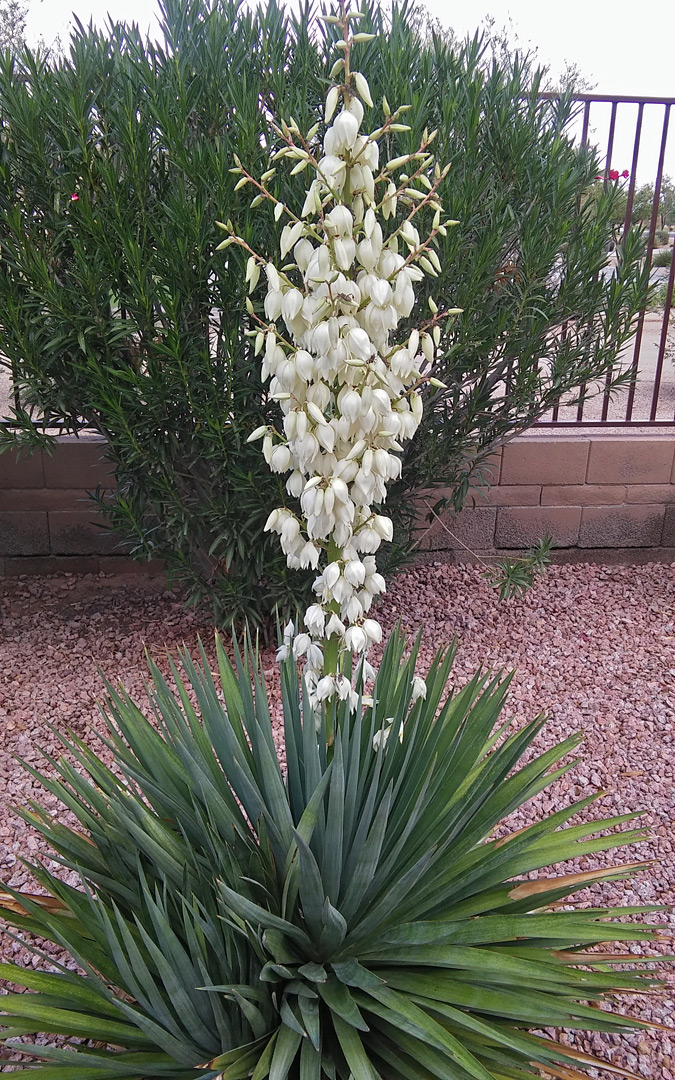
(331, 653)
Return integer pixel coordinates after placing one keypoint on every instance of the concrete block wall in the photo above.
(595, 495)
(48, 524)
(600, 496)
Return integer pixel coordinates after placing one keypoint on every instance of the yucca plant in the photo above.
(354, 915)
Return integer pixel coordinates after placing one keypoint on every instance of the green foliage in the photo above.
(660, 238)
(659, 297)
(514, 576)
(12, 24)
(115, 309)
(643, 202)
(663, 258)
(361, 914)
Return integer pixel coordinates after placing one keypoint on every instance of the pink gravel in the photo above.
(592, 645)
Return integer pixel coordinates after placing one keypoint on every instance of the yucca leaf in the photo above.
(286, 1048)
(265, 1060)
(305, 829)
(553, 1009)
(334, 930)
(257, 915)
(577, 926)
(119, 1063)
(290, 1019)
(412, 1020)
(311, 1062)
(339, 1000)
(364, 857)
(425, 1063)
(331, 857)
(78, 1024)
(309, 1011)
(352, 1048)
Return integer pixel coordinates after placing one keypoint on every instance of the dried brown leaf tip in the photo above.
(547, 884)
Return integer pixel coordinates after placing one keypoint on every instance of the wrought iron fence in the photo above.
(649, 398)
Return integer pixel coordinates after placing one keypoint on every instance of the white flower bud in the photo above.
(314, 657)
(258, 433)
(372, 630)
(273, 304)
(350, 405)
(315, 620)
(301, 645)
(312, 203)
(346, 128)
(334, 626)
(281, 458)
(419, 689)
(383, 527)
(291, 304)
(333, 170)
(295, 484)
(360, 344)
(382, 293)
(355, 572)
(309, 556)
(344, 252)
(355, 107)
(331, 574)
(375, 584)
(304, 364)
(332, 98)
(325, 688)
(367, 255)
(362, 88)
(355, 639)
(340, 220)
(270, 524)
(353, 609)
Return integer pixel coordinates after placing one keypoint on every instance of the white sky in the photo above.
(619, 47)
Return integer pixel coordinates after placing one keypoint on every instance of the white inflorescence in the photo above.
(349, 397)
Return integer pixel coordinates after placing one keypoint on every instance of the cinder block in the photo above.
(43, 565)
(650, 493)
(80, 532)
(545, 461)
(21, 471)
(583, 495)
(621, 526)
(509, 495)
(522, 526)
(24, 532)
(636, 460)
(78, 462)
(44, 499)
(668, 534)
(473, 527)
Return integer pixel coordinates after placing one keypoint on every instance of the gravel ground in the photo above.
(592, 645)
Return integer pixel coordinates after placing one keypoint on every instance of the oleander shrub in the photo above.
(115, 310)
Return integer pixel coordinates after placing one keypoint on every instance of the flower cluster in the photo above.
(614, 174)
(349, 396)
